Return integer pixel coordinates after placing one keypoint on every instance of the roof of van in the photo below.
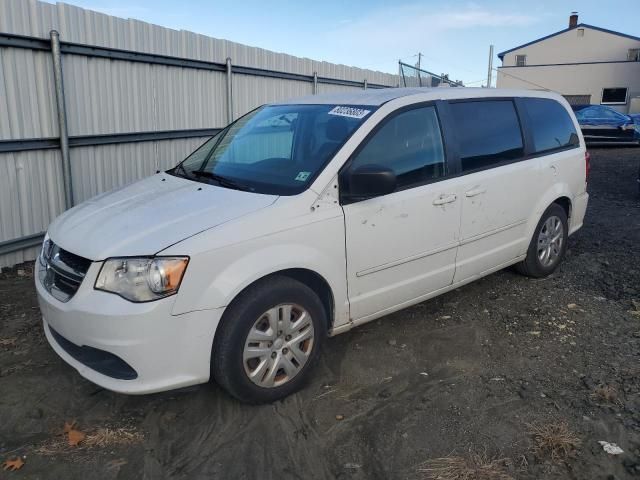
(376, 97)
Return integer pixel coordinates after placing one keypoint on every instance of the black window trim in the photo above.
(525, 131)
(452, 167)
(450, 140)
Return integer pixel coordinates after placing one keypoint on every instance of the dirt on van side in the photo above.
(504, 378)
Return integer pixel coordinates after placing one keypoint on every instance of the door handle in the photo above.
(475, 191)
(443, 199)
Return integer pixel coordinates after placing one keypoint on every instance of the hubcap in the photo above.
(550, 241)
(278, 345)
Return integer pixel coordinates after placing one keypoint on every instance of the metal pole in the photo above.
(315, 83)
(490, 69)
(62, 119)
(229, 92)
(365, 84)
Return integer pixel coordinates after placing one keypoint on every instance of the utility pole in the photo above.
(419, 60)
(490, 69)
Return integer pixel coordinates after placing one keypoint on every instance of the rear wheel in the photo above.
(548, 245)
(269, 340)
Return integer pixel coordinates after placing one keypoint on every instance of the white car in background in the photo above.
(302, 220)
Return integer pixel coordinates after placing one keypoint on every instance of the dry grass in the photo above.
(101, 438)
(472, 467)
(606, 393)
(553, 440)
(108, 437)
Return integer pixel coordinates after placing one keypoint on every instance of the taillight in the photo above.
(587, 165)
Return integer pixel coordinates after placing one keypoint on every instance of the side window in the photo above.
(488, 133)
(410, 144)
(551, 125)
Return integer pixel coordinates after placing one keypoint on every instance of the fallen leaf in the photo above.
(13, 465)
(339, 417)
(571, 306)
(68, 426)
(75, 437)
(6, 342)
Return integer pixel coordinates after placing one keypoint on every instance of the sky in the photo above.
(453, 36)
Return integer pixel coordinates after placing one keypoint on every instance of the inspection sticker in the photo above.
(302, 176)
(350, 112)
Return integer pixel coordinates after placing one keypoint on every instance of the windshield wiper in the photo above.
(222, 181)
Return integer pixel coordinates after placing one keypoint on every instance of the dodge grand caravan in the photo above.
(302, 220)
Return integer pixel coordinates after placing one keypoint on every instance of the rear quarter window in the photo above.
(550, 124)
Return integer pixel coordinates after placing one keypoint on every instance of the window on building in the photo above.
(615, 96)
(488, 133)
(634, 54)
(581, 32)
(521, 60)
(410, 144)
(551, 125)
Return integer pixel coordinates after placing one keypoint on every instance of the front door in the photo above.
(402, 246)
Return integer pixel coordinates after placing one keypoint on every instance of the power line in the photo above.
(522, 79)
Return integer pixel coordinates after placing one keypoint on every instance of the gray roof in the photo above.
(373, 97)
(377, 97)
(580, 25)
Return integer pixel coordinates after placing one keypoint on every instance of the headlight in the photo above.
(45, 251)
(142, 279)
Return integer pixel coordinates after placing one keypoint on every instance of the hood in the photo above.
(148, 216)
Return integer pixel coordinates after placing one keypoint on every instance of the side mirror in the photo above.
(371, 181)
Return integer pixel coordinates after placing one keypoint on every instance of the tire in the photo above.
(254, 311)
(533, 265)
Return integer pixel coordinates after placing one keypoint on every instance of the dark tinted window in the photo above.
(488, 133)
(551, 125)
(410, 144)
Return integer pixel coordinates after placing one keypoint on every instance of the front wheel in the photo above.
(548, 245)
(269, 340)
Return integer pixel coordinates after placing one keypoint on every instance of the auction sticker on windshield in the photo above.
(350, 112)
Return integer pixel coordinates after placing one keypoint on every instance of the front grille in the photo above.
(61, 272)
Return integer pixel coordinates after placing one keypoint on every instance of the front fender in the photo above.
(214, 278)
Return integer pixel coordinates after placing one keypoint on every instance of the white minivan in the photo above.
(301, 220)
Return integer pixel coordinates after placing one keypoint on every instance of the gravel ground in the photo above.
(462, 379)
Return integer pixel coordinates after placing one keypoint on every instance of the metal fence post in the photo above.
(365, 84)
(229, 91)
(62, 118)
(315, 83)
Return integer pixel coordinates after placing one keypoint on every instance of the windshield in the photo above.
(276, 149)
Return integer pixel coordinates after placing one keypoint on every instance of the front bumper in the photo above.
(165, 351)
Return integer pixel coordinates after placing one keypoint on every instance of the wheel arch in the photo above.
(559, 194)
(565, 203)
(306, 276)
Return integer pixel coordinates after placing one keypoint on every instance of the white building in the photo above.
(584, 63)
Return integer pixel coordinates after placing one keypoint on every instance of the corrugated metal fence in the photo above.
(139, 98)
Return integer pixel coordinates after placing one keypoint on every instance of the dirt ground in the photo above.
(474, 373)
